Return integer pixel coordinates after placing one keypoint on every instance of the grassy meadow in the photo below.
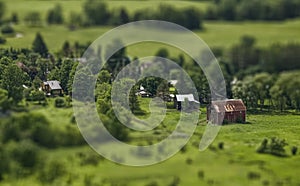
(234, 165)
(216, 33)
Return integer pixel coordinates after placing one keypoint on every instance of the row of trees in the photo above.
(31, 67)
(97, 13)
(280, 91)
(253, 10)
(246, 57)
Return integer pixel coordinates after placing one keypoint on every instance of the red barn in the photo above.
(230, 111)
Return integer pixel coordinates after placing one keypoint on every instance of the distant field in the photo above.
(220, 34)
(24, 6)
(216, 34)
(229, 167)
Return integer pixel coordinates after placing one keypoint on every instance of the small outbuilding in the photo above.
(227, 111)
(179, 99)
(52, 88)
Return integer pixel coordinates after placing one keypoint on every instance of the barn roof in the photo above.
(54, 85)
(182, 97)
(229, 105)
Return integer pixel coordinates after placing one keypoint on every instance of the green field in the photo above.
(216, 34)
(24, 6)
(232, 166)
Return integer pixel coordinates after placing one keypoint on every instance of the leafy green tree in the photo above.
(263, 83)
(96, 12)
(227, 9)
(4, 101)
(244, 54)
(193, 19)
(65, 70)
(71, 77)
(75, 20)
(13, 81)
(39, 46)
(55, 15)
(43, 66)
(33, 19)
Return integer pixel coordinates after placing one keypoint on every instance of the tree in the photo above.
(75, 20)
(96, 12)
(193, 19)
(39, 46)
(65, 71)
(55, 15)
(13, 81)
(4, 101)
(67, 50)
(124, 17)
(33, 19)
(227, 9)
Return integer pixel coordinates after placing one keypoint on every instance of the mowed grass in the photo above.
(232, 166)
(216, 34)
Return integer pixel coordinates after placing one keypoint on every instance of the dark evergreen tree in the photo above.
(39, 46)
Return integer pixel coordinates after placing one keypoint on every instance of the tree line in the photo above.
(238, 10)
(97, 13)
(240, 64)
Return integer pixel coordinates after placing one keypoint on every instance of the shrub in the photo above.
(275, 147)
(294, 150)
(152, 183)
(221, 145)
(189, 161)
(59, 103)
(253, 175)
(5, 162)
(201, 174)
(2, 40)
(7, 29)
(26, 153)
(52, 171)
(175, 181)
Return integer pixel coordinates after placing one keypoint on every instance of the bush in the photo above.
(26, 153)
(52, 171)
(7, 29)
(253, 175)
(275, 147)
(221, 145)
(294, 150)
(189, 161)
(175, 182)
(59, 103)
(5, 162)
(201, 174)
(152, 183)
(2, 40)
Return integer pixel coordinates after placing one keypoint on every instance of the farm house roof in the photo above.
(54, 85)
(229, 105)
(182, 97)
